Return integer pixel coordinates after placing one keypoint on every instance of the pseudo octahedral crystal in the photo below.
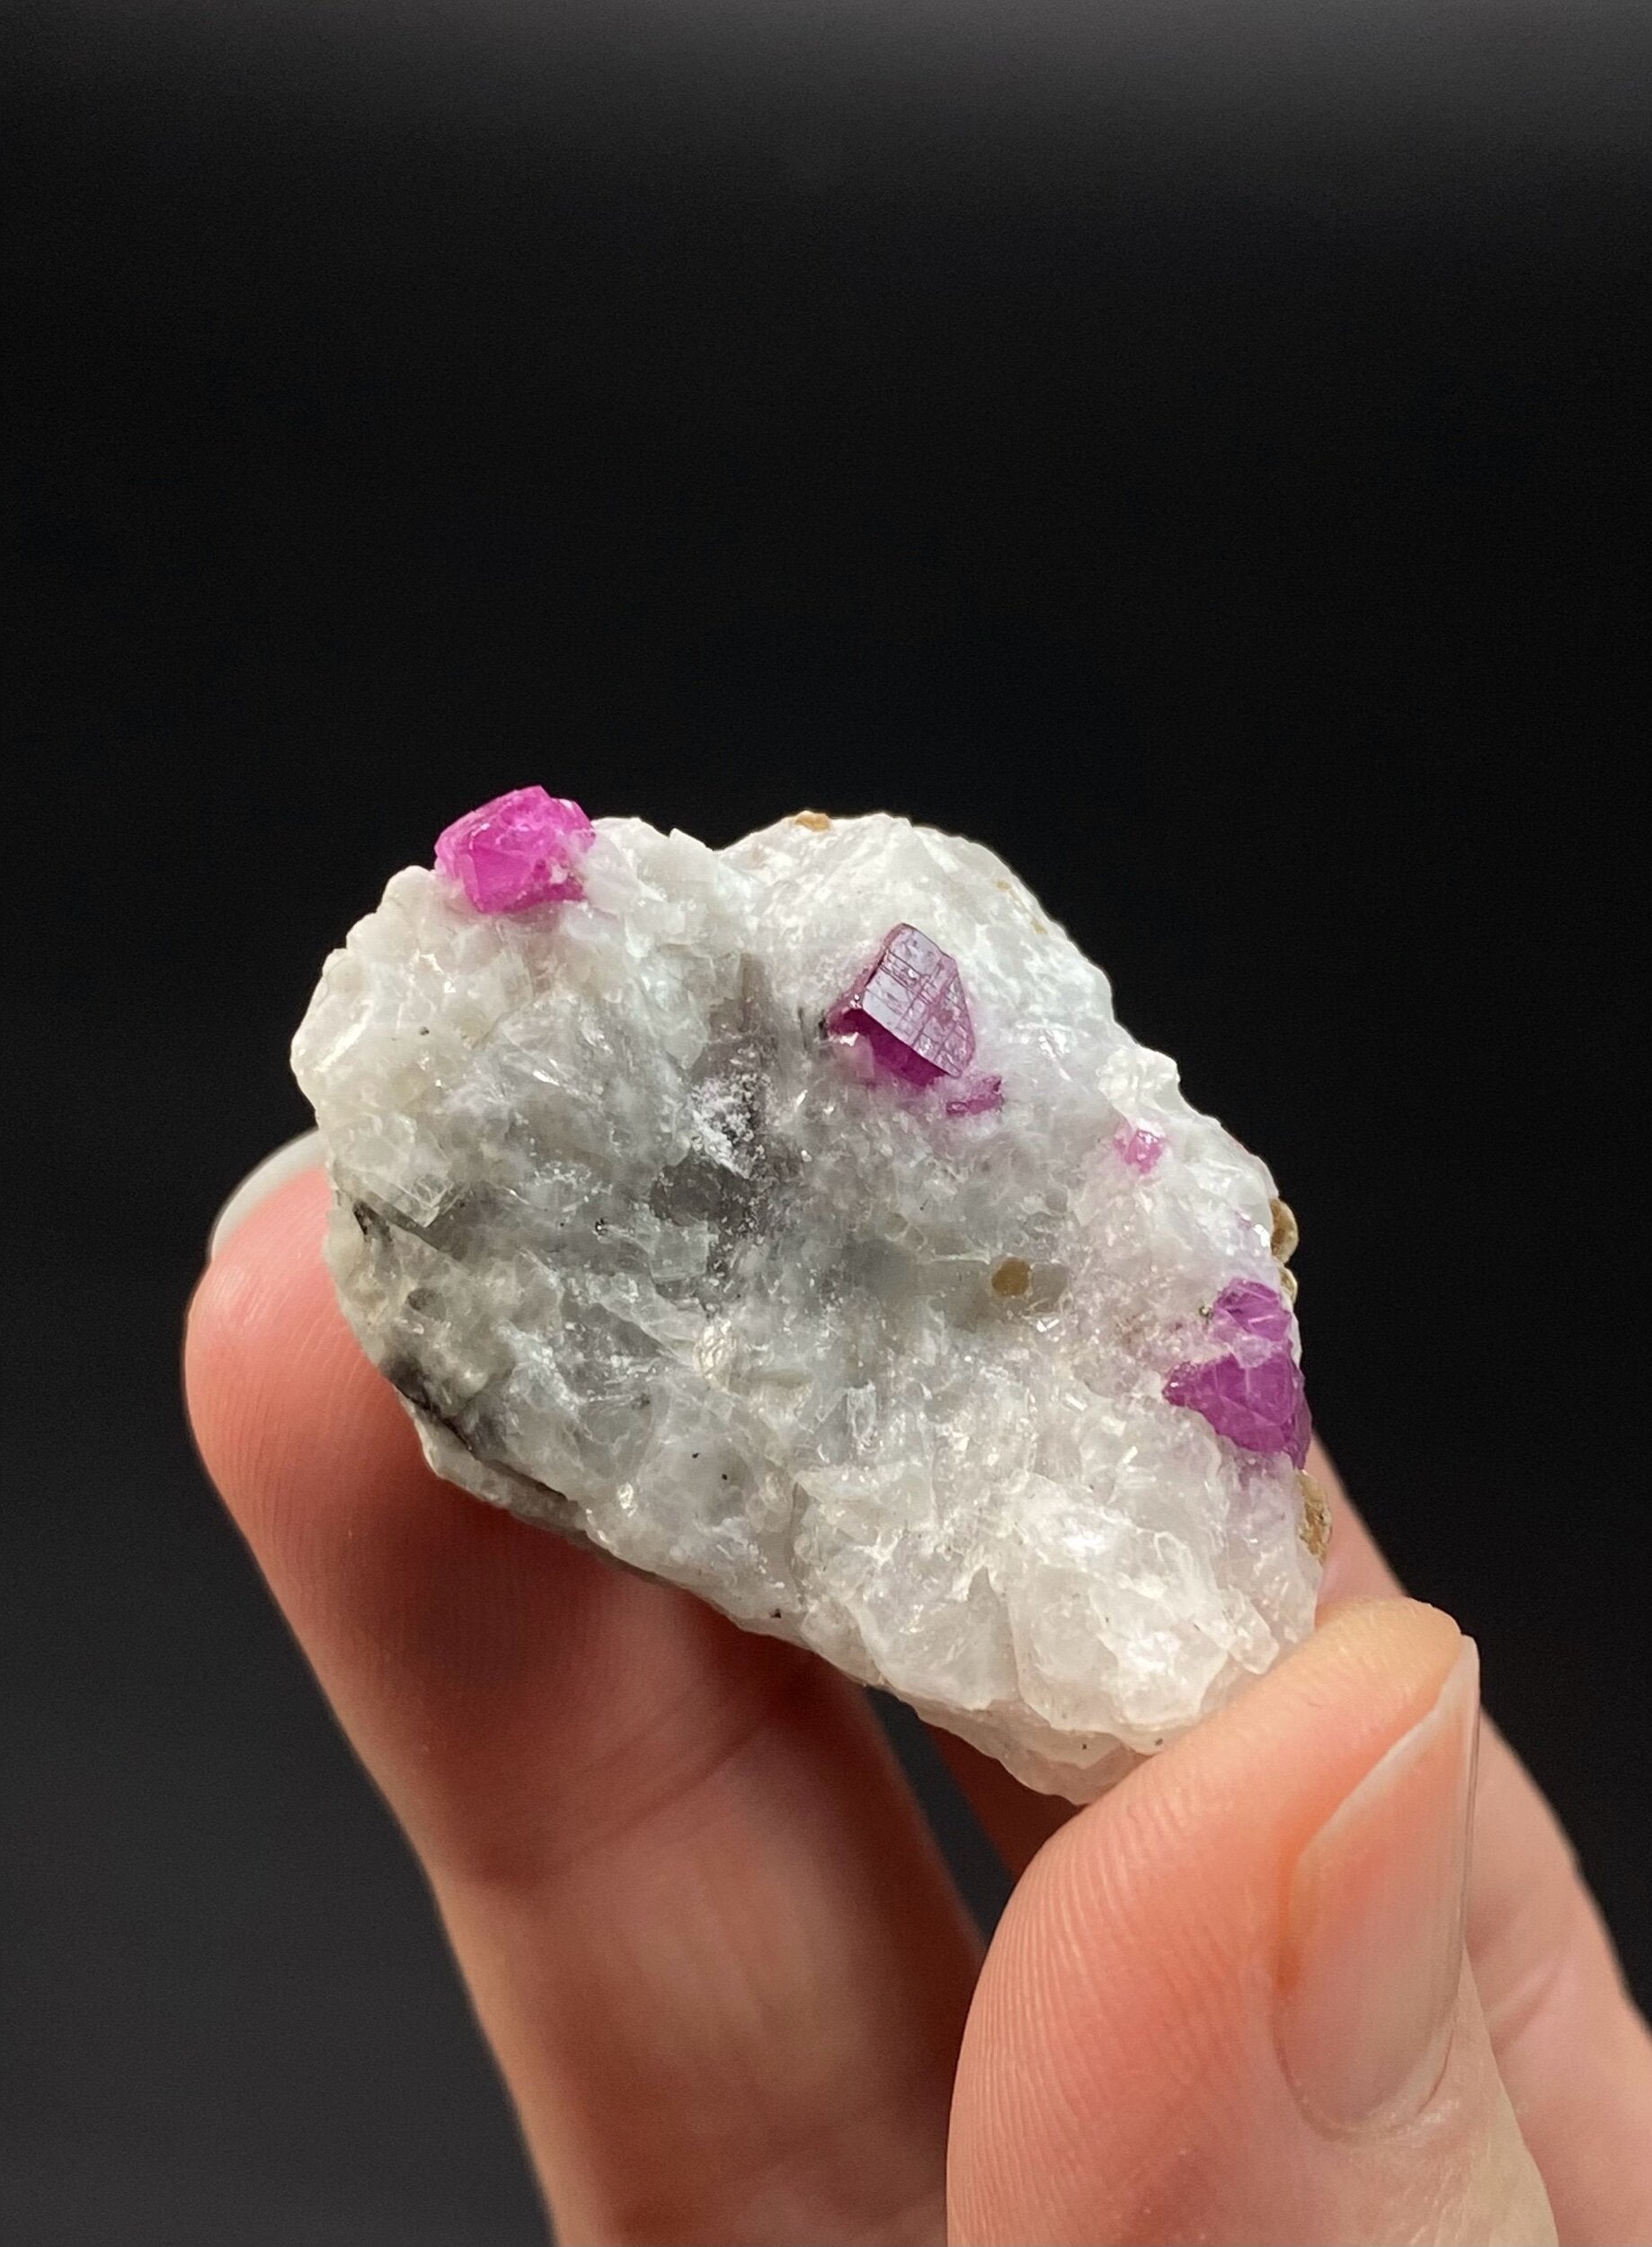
(797, 1224)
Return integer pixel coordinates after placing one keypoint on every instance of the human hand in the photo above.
(724, 1970)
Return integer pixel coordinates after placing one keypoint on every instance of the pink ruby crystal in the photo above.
(1251, 1307)
(521, 850)
(978, 1096)
(909, 1007)
(1140, 1148)
(1252, 1393)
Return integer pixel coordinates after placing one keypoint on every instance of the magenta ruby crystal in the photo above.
(1251, 1307)
(521, 849)
(1139, 1147)
(910, 1008)
(1252, 1392)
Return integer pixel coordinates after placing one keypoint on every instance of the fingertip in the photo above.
(1126, 2010)
(242, 1314)
(290, 1160)
(1392, 1644)
(245, 1294)
(1245, 1785)
(305, 1441)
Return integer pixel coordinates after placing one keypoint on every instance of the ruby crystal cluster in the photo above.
(652, 1202)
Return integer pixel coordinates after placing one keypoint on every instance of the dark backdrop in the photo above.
(1189, 449)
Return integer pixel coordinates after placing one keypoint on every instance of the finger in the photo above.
(1573, 2049)
(1230, 2002)
(706, 1932)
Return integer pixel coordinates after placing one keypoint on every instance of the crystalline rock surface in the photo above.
(795, 1222)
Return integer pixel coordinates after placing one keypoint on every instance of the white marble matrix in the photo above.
(659, 1264)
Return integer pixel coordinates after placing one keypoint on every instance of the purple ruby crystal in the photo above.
(1140, 1148)
(1252, 1393)
(521, 850)
(909, 1007)
(1252, 1307)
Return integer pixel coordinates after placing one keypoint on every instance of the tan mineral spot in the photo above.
(1287, 1283)
(1011, 1275)
(1285, 1232)
(815, 821)
(1316, 1529)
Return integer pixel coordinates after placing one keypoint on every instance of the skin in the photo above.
(721, 1964)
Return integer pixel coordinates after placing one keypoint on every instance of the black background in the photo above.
(1188, 447)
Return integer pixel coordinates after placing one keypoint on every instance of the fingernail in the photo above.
(1374, 1925)
(302, 1154)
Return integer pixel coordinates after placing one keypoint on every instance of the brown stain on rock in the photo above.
(1316, 1524)
(817, 821)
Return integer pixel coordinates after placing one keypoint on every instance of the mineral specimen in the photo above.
(795, 1222)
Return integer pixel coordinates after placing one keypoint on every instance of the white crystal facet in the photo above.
(659, 1262)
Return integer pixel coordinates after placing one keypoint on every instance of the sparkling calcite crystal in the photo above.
(795, 1222)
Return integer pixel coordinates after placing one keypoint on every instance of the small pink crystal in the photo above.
(521, 850)
(909, 1007)
(977, 1096)
(1252, 1307)
(1140, 1148)
(1252, 1393)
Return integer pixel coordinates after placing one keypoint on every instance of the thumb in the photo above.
(1231, 2002)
